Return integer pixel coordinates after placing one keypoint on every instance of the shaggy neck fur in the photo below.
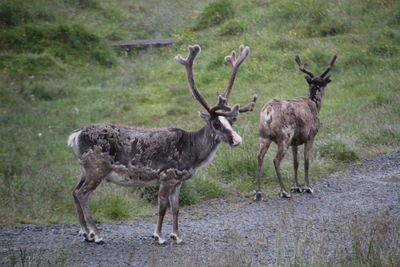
(205, 143)
(316, 97)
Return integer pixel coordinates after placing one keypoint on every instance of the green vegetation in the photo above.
(57, 73)
(339, 151)
(214, 13)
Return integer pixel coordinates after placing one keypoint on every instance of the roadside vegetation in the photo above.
(58, 73)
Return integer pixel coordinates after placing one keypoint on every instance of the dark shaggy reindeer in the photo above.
(131, 156)
(292, 122)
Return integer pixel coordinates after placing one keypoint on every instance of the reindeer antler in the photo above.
(244, 52)
(329, 67)
(250, 106)
(221, 108)
(221, 105)
(303, 67)
(188, 63)
(236, 62)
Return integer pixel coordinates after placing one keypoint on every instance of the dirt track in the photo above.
(279, 231)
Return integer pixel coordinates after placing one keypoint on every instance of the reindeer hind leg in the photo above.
(296, 188)
(84, 231)
(95, 165)
(282, 148)
(82, 196)
(307, 149)
(264, 145)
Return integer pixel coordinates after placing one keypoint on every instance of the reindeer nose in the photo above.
(236, 139)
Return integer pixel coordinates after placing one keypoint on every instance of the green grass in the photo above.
(57, 74)
(214, 13)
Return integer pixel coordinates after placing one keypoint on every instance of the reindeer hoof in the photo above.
(307, 189)
(99, 241)
(87, 238)
(92, 237)
(159, 239)
(82, 232)
(297, 189)
(257, 196)
(284, 194)
(176, 238)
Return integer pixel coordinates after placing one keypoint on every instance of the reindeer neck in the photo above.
(317, 99)
(204, 145)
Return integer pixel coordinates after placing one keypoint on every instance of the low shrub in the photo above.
(114, 207)
(385, 137)
(214, 14)
(17, 12)
(232, 27)
(70, 43)
(28, 65)
(208, 189)
(339, 151)
(83, 3)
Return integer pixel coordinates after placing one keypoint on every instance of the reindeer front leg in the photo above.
(163, 202)
(170, 186)
(174, 201)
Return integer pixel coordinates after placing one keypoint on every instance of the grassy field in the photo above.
(57, 73)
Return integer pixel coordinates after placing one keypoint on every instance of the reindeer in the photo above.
(131, 156)
(292, 122)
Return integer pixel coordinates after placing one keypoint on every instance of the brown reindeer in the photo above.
(131, 156)
(292, 122)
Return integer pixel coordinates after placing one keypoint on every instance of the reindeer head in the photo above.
(220, 117)
(317, 83)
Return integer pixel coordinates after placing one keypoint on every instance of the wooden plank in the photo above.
(143, 43)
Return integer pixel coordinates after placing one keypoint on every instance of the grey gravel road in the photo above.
(307, 228)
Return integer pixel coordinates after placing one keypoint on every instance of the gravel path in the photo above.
(308, 228)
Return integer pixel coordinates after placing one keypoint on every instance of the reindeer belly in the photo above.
(133, 175)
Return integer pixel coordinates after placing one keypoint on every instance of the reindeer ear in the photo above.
(327, 80)
(205, 117)
(308, 79)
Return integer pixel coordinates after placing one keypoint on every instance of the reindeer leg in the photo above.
(88, 186)
(84, 230)
(296, 188)
(94, 165)
(264, 145)
(174, 201)
(307, 148)
(282, 148)
(163, 203)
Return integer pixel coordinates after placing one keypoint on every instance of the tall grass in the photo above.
(62, 75)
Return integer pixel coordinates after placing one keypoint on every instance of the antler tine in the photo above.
(222, 101)
(244, 52)
(232, 113)
(188, 63)
(250, 106)
(303, 67)
(329, 67)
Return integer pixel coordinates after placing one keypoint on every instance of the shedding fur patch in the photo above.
(73, 141)
(99, 164)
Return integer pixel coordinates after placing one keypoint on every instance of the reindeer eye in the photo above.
(216, 125)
